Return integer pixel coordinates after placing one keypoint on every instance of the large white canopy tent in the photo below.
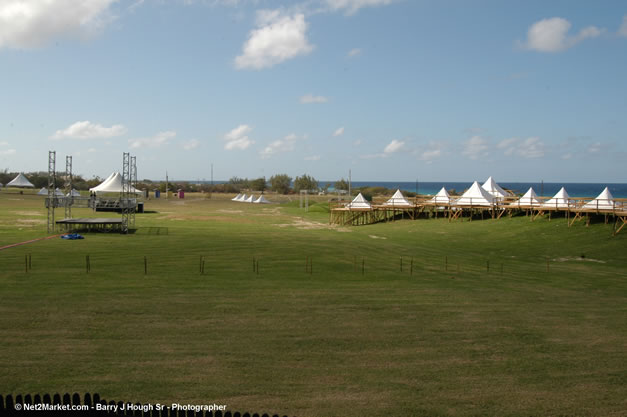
(604, 201)
(475, 196)
(359, 202)
(43, 191)
(398, 200)
(261, 200)
(236, 198)
(529, 200)
(494, 189)
(113, 184)
(20, 181)
(442, 197)
(250, 199)
(560, 200)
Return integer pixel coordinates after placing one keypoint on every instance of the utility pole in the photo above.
(349, 183)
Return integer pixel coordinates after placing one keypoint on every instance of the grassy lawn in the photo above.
(480, 327)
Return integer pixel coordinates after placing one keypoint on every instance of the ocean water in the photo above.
(547, 189)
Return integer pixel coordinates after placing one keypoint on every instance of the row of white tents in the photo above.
(243, 198)
(490, 194)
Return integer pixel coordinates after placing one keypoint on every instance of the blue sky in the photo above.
(393, 90)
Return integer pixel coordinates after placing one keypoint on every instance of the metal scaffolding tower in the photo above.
(52, 156)
(69, 198)
(126, 191)
(133, 186)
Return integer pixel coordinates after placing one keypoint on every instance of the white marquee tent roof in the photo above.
(604, 201)
(560, 200)
(442, 197)
(359, 202)
(113, 184)
(43, 191)
(59, 193)
(530, 199)
(493, 188)
(20, 181)
(236, 198)
(250, 199)
(261, 200)
(73, 193)
(475, 196)
(398, 200)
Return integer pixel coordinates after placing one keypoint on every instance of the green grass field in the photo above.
(452, 338)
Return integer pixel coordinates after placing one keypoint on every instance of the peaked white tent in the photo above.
(242, 198)
(20, 181)
(442, 197)
(476, 196)
(250, 199)
(236, 198)
(529, 200)
(43, 191)
(604, 201)
(359, 202)
(73, 193)
(560, 200)
(113, 184)
(398, 200)
(58, 193)
(493, 188)
(261, 200)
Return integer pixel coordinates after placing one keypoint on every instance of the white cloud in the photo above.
(394, 146)
(309, 98)
(33, 23)
(475, 147)
(287, 144)
(8, 152)
(357, 142)
(433, 151)
(567, 156)
(238, 138)
(531, 147)
(4, 143)
(373, 156)
(352, 6)
(551, 35)
(622, 31)
(277, 39)
(312, 158)
(160, 139)
(339, 132)
(354, 52)
(191, 144)
(89, 130)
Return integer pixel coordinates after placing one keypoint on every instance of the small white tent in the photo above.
(236, 198)
(560, 200)
(529, 200)
(242, 198)
(250, 199)
(359, 202)
(604, 201)
(20, 181)
(494, 189)
(58, 193)
(398, 200)
(43, 191)
(475, 196)
(113, 184)
(442, 197)
(73, 193)
(261, 200)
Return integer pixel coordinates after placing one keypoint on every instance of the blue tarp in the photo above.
(72, 236)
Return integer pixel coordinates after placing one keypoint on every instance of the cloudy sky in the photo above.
(391, 89)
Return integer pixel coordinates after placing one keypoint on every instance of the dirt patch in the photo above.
(207, 218)
(578, 258)
(230, 211)
(30, 222)
(305, 225)
(376, 237)
(28, 213)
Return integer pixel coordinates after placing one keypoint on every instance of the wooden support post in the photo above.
(30, 263)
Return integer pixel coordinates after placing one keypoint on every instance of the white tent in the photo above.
(20, 181)
(398, 200)
(113, 184)
(43, 191)
(250, 199)
(442, 197)
(476, 196)
(604, 201)
(261, 200)
(242, 198)
(359, 202)
(236, 198)
(73, 193)
(58, 193)
(493, 188)
(529, 200)
(560, 200)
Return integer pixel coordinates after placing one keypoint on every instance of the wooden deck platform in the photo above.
(95, 224)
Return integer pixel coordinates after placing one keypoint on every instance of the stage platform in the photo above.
(95, 224)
